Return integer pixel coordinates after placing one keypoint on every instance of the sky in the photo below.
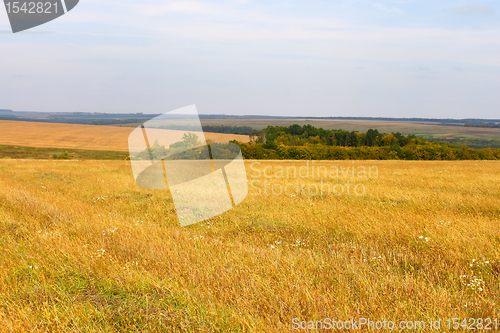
(359, 58)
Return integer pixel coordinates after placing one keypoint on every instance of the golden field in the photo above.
(88, 137)
(83, 249)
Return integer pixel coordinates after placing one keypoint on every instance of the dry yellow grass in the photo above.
(71, 136)
(84, 249)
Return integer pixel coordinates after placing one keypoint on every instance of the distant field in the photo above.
(87, 137)
(115, 138)
(83, 249)
(427, 130)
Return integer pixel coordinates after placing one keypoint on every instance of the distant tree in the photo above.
(188, 140)
(254, 136)
(389, 139)
(295, 130)
(371, 137)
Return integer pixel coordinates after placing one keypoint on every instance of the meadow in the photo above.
(83, 249)
(21, 152)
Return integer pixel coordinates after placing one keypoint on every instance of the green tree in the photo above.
(188, 140)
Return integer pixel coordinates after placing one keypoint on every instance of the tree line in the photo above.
(311, 143)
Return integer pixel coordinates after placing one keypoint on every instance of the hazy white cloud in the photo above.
(472, 9)
(174, 7)
(386, 8)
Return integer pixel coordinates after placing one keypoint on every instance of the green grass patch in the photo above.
(20, 152)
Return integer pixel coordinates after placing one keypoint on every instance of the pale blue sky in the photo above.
(302, 58)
